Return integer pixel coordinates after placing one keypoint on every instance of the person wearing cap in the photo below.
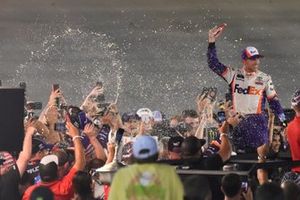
(191, 152)
(146, 179)
(42, 193)
(147, 121)
(157, 117)
(131, 122)
(293, 131)
(10, 180)
(38, 152)
(31, 176)
(174, 147)
(250, 88)
(48, 168)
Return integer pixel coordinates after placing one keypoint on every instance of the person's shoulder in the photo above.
(29, 190)
(213, 162)
(263, 75)
(73, 170)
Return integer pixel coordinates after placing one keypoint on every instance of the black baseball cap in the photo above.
(174, 144)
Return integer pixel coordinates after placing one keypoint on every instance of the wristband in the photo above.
(75, 137)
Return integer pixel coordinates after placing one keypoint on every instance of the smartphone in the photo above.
(60, 127)
(55, 87)
(221, 116)
(99, 84)
(212, 93)
(244, 186)
(37, 179)
(34, 105)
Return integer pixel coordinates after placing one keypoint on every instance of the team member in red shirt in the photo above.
(62, 188)
(293, 131)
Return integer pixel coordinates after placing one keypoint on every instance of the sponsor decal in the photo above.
(259, 83)
(240, 77)
(250, 90)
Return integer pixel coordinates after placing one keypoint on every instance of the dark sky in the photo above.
(152, 53)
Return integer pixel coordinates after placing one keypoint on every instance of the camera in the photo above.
(183, 127)
(210, 93)
(32, 105)
(104, 108)
(78, 117)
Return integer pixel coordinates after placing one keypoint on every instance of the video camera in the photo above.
(183, 127)
(34, 105)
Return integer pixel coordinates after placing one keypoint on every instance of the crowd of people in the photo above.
(67, 149)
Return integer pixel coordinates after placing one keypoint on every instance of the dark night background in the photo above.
(150, 52)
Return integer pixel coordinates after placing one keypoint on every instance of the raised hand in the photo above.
(90, 103)
(91, 130)
(31, 127)
(72, 131)
(215, 32)
(202, 102)
(53, 97)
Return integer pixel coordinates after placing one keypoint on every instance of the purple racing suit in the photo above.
(249, 93)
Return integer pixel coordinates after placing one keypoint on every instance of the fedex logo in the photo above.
(250, 90)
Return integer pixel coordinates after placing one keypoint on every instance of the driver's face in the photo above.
(252, 64)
